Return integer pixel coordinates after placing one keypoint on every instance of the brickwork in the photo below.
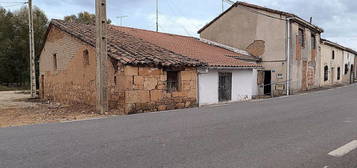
(131, 89)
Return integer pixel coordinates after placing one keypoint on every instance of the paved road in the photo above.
(298, 131)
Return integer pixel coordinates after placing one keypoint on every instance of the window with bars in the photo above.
(173, 81)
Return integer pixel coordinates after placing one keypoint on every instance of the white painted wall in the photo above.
(244, 86)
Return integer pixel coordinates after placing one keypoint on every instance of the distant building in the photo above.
(286, 44)
(332, 58)
(147, 71)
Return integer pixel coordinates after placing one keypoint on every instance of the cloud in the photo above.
(178, 25)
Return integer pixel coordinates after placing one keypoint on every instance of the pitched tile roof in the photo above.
(127, 48)
(191, 47)
(143, 47)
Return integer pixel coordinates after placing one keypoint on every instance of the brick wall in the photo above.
(131, 89)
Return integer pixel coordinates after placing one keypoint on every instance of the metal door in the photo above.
(225, 86)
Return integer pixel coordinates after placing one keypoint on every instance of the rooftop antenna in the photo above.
(157, 15)
(121, 19)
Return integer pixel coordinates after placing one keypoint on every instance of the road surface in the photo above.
(298, 131)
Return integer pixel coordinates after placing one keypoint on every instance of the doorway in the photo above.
(225, 87)
(42, 87)
(267, 83)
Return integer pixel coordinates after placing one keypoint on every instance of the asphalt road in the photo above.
(298, 131)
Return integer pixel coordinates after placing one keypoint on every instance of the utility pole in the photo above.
(102, 56)
(121, 19)
(157, 15)
(32, 52)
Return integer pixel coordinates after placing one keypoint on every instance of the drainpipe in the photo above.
(288, 41)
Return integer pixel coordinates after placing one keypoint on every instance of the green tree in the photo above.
(83, 17)
(14, 44)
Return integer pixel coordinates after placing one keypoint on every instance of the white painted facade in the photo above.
(244, 85)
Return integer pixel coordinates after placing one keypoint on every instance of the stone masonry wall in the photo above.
(131, 89)
(144, 89)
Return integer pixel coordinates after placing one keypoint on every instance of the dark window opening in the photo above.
(115, 80)
(313, 41)
(85, 57)
(346, 69)
(326, 73)
(338, 73)
(302, 37)
(172, 81)
(333, 54)
(55, 61)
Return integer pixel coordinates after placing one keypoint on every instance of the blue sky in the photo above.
(185, 17)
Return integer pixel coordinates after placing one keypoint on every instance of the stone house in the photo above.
(349, 65)
(332, 56)
(287, 45)
(147, 71)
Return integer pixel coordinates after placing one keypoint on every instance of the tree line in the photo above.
(14, 42)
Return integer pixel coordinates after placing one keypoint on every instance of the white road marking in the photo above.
(342, 151)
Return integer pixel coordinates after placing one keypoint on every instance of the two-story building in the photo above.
(332, 56)
(287, 45)
(348, 66)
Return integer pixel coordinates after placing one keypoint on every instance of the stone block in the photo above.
(156, 95)
(138, 80)
(162, 108)
(137, 96)
(150, 83)
(187, 75)
(146, 71)
(180, 105)
(131, 71)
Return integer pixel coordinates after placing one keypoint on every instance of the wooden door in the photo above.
(225, 87)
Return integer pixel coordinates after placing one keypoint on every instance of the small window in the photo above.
(172, 81)
(346, 69)
(326, 73)
(302, 37)
(333, 54)
(115, 80)
(85, 57)
(313, 41)
(338, 73)
(55, 61)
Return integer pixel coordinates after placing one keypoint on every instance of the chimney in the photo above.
(311, 20)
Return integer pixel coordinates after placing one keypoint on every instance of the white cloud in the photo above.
(178, 24)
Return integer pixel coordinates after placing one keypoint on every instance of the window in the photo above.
(326, 73)
(85, 57)
(338, 73)
(333, 54)
(302, 37)
(172, 81)
(346, 69)
(313, 41)
(55, 61)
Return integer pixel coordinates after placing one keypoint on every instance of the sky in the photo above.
(185, 17)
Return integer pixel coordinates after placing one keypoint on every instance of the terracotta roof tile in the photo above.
(191, 47)
(143, 47)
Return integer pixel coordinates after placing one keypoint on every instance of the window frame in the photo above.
(85, 57)
(55, 62)
(301, 36)
(326, 69)
(313, 41)
(333, 54)
(175, 84)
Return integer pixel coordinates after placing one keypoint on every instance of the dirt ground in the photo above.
(17, 109)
